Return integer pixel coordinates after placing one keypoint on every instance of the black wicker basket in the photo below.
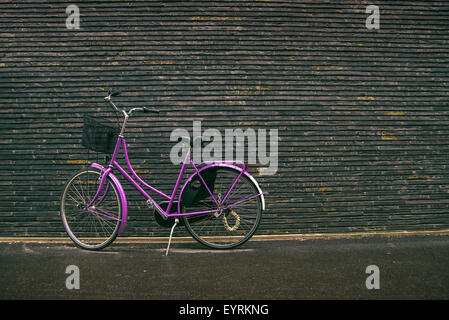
(99, 136)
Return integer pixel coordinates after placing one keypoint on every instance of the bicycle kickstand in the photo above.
(171, 234)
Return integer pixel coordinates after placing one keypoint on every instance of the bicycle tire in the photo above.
(91, 239)
(225, 234)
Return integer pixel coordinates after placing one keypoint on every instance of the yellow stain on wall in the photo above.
(142, 171)
(216, 18)
(253, 90)
(260, 171)
(77, 161)
(47, 64)
(366, 98)
(417, 176)
(114, 63)
(324, 189)
(263, 88)
(385, 136)
(329, 68)
(2, 65)
(389, 138)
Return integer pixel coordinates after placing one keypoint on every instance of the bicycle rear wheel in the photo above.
(97, 228)
(230, 227)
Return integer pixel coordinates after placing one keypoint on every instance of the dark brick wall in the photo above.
(362, 114)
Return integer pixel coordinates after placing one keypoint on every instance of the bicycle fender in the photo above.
(121, 194)
(246, 173)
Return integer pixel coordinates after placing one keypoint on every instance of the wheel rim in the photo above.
(90, 230)
(230, 227)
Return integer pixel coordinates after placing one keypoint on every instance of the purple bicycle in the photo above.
(220, 204)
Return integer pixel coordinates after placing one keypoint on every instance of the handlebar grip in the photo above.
(145, 109)
(114, 93)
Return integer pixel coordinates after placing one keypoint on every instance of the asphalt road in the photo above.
(409, 267)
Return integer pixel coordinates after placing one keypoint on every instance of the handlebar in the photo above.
(146, 109)
(114, 93)
(118, 92)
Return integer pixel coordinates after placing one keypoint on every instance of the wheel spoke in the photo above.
(88, 229)
(216, 231)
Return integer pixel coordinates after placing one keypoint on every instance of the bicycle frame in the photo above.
(113, 164)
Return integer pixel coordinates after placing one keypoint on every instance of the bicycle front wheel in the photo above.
(96, 227)
(236, 222)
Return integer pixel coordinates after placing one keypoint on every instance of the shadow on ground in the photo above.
(410, 267)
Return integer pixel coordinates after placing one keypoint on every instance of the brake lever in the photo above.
(146, 110)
